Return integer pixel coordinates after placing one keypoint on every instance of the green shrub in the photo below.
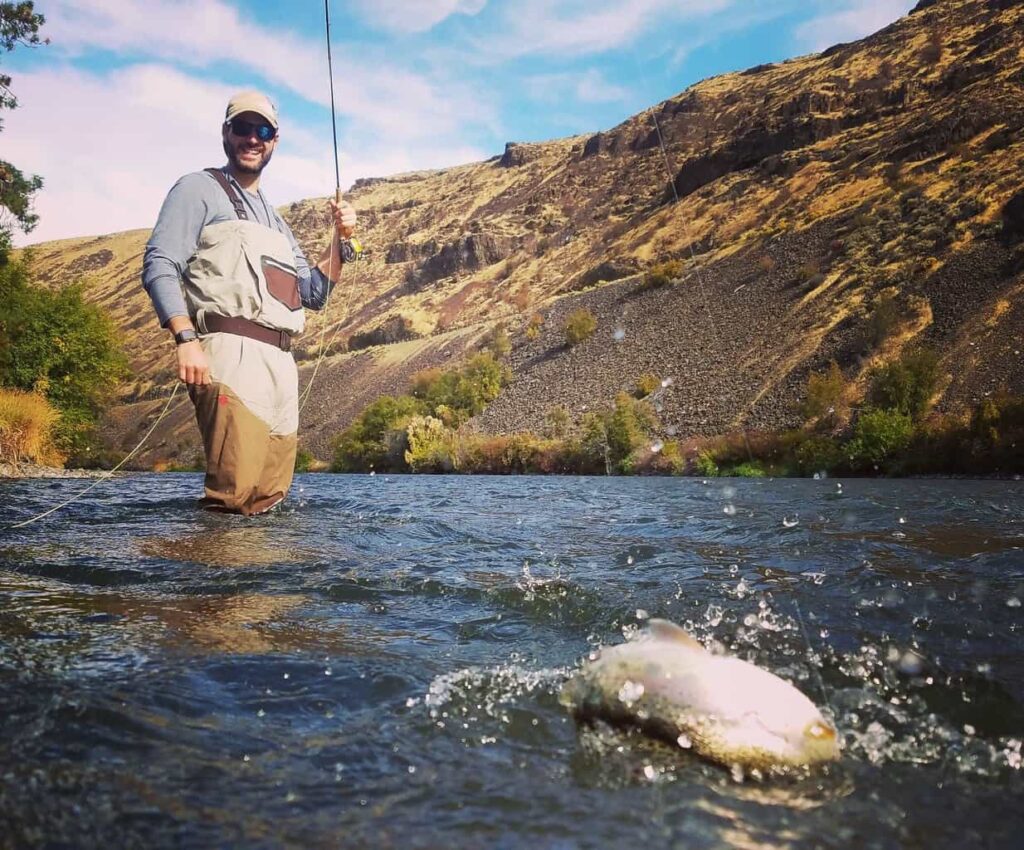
(558, 421)
(497, 342)
(377, 439)
(57, 344)
(432, 446)
(662, 274)
(460, 394)
(818, 453)
(705, 465)
(750, 469)
(579, 326)
(646, 384)
(534, 325)
(823, 392)
(670, 459)
(996, 434)
(882, 321)
(878, 436)
(303, 460)
(627, 429)
(906, 385)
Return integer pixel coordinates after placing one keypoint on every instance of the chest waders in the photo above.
(242, 294)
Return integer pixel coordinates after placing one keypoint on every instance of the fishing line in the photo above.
(812, 653)
(109, 474)
(693, 255)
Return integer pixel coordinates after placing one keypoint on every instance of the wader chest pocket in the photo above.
(282, 282)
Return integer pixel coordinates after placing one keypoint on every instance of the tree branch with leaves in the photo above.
(19, 25)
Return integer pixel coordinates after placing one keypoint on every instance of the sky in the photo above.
(130, 94)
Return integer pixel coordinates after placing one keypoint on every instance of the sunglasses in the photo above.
(244, 129)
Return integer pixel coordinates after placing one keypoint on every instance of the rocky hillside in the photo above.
(836, 206)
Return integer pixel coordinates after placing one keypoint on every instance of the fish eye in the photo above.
(819, 731)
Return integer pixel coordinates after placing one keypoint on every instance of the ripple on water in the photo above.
(382, 661)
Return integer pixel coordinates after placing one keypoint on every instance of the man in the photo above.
(229, 281)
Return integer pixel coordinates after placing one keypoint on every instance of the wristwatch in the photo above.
(187, 335)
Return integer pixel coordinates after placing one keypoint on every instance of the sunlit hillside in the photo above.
(803, 200)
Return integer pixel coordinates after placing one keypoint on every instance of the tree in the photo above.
(19, 24)
(57, 344)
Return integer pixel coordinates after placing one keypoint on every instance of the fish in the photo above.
(720, 707)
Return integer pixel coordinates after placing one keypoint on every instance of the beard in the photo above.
(240, 167)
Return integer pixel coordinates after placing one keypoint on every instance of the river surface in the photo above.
(378, 664)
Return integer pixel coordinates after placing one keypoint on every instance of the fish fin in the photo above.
(667, 630)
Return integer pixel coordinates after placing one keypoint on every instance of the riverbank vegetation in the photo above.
(891, 432)
(57, 353)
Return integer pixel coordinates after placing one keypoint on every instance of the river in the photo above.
(378, 663)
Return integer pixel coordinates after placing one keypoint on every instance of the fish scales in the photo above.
(723, 708)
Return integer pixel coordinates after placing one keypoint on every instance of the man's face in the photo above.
(247, 154)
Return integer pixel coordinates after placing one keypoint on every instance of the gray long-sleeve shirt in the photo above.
(195, 201)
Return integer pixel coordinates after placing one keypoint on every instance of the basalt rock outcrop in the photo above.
(466, 254)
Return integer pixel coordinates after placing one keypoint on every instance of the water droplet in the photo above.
(412, 768)
(649, 772)
(245, 758)
(630, 692)
(684, 741)
(372, 473)
(729, 510)
(903, 520)
(969, 730)
(285, 676)
(641, 614)
(791, 522)
(911, 663)
(261, 713)
(1013, 602)
(327, 672)
(714, 615)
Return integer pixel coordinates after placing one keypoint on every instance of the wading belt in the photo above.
(216, 323)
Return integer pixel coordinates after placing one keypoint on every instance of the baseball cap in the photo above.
(252, 101)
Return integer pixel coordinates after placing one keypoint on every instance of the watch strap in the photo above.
(186, 335)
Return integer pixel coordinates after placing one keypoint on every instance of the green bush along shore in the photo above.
(891, 433)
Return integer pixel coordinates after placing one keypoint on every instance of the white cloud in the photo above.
(589, 86)
(852, 19)
(577, 27)
(123, 136)
(201, 33)
(411, 16)
(110, 146)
